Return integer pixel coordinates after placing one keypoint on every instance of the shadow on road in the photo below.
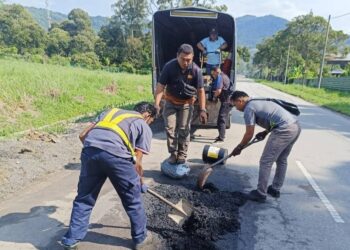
(32, 228)
(72, 166)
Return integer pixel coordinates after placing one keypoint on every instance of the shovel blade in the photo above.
(203, 176)
(178, 218)
(185, 207)
(182, 212)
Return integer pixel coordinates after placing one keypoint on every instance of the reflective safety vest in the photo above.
(110, 122)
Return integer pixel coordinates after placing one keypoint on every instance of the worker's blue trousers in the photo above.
(96, 166)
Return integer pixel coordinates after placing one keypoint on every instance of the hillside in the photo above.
(35, 94)
(251, 30)
(40, 15)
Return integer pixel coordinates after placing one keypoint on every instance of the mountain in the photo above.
(252, 30)
(40, 15)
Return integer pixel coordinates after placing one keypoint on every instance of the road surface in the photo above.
(312, 213)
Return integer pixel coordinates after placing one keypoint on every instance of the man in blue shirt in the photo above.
(113, 148)
(221, 91)
(211, 47)
(285, 131)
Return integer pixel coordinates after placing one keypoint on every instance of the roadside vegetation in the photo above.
(301, 43)
(335, 100)
(33, 95)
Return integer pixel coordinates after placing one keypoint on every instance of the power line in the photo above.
(341, 15)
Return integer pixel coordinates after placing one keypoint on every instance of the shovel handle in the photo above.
(220, 161)
(165, 200)
(230, 155)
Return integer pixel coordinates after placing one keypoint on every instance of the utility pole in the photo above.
(324, 53)
(287, 62)
(48, 14)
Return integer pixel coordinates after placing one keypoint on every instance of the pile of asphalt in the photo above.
(215, 214)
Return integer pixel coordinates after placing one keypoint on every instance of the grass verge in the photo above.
(33, 95)
(335, 100)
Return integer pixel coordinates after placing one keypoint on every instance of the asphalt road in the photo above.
(312, 212)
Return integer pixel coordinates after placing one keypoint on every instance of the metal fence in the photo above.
(334, 83)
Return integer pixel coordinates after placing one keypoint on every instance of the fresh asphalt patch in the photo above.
(216, 213)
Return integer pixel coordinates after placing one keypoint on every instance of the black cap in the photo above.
(213, 31)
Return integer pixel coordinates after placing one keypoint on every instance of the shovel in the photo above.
(203, 176)
(183, 208)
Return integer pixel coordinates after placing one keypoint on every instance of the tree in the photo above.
(305, 35)
(82, 43)
(58, 42)
(82, 37)
(18, 29)
(112, 42)
(132, 16)
(78, 21)
(243, 53)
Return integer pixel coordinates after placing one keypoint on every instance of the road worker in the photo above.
(113, 147)
(180, 82)
(222, 88)
(285, 130)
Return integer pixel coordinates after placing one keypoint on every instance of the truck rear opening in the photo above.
(173, 27)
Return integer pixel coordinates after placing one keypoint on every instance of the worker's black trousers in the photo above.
(224, 111)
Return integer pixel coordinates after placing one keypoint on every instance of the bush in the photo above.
(59, 60)
(87, 60)
(127, 67)
(8, 51)
(36, 58)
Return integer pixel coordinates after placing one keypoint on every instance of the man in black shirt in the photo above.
(180, 82)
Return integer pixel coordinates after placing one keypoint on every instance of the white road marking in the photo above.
(337, 218)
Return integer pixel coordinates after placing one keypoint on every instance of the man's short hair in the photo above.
(216, 68)
(143, 107)
(185, 48)
(238, 94)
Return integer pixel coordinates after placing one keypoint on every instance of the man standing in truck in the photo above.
(180, 83)
(211, 47)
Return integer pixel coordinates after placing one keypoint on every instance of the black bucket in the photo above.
(213, 154)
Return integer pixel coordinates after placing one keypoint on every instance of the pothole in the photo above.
(216, 213)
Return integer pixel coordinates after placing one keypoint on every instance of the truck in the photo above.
(173, 27)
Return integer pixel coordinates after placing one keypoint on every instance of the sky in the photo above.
(287, 9)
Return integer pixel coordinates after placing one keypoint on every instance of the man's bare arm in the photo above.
(138, 164)
(85, 132)
(248, 135)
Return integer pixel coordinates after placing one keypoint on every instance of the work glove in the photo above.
(261, 135)
(203, 116)
(218, 51)
(144, 188)
(205, 52)
(237, 150)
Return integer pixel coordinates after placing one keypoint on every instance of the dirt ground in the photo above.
(31, 158)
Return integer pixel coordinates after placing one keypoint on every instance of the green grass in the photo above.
(332, 99)
(33, 95)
